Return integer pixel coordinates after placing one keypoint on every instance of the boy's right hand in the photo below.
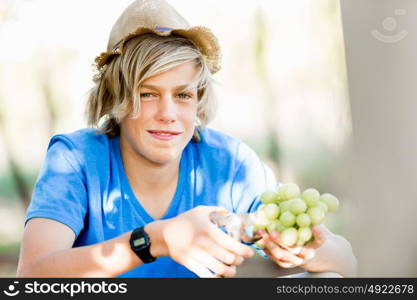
(193, 241)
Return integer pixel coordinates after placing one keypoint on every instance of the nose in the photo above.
(167, 111)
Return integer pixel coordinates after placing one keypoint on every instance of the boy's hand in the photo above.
(295, 256)
(194, 241)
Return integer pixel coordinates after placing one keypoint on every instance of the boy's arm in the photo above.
(47, 251)
(189, 238)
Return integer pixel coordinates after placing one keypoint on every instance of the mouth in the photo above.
(163, 134)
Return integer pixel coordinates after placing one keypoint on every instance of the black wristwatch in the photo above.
(141, 245)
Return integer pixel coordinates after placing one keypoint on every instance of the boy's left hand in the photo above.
(294, 256)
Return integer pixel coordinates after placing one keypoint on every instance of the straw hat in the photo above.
(158, 17)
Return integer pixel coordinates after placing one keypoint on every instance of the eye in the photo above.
(147, 96)
(184, 96)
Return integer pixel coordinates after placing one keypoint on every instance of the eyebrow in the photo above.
(182, 87)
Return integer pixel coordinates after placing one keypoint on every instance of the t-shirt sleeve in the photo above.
(251, 179)
(60, 191)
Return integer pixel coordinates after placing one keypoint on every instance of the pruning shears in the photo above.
(238, 226)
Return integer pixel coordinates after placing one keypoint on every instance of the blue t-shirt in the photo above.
(83, 185)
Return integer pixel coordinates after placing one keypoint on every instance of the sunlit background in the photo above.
(282, 89)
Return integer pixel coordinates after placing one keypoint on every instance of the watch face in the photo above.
(139, 242)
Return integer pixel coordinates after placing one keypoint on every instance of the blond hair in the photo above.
(115, 95)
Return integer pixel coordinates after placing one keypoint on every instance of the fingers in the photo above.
(275, 237)
(289, 257)
(212, 261)
(284, 256)
(280, 255)
(199, 269)
(281, 262)
(320, 234)
(307, 253)
(226, 242)
(214, 265)
(223, 255)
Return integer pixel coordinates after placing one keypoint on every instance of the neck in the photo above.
(150, 175)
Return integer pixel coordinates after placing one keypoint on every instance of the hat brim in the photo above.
(202, 37)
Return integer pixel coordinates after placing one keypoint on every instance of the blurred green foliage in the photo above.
(11, 249)
(8, 189)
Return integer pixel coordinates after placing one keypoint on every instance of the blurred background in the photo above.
(296, 84)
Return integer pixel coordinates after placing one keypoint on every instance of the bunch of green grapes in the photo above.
(292, 213)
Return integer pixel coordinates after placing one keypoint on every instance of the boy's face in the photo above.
(167, 118)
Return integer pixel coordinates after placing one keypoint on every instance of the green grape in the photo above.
(300, 243)
(288, 191)
(331, 201)
(289, 236)
(275, 226)
(323, 206)
(298, 206)
(311, 197)
(269, 197)
(285, 206)
(271, 227)
(303, 220)
(261, 220)
(287, 219)
(271, 211)
(304, 234)
(279, 227)
(316, 215)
